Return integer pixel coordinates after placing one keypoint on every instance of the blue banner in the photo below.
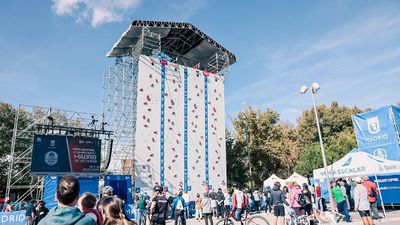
(390, 151)
(12, 218)
(396, 117)
(390, 187)
(374, 128)
(122, 186)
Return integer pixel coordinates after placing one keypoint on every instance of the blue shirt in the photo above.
(30, 209)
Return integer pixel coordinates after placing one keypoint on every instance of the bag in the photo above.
(372, 193)
(179, 205)
(303, 200)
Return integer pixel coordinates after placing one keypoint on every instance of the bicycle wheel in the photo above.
(225, 222)
(257, 220)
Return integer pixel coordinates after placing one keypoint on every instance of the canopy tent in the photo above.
(272, 179)
(358, 163)
(295, 177)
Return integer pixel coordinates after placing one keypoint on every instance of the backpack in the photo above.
(303, 200)
(179, 205)
(372, 193)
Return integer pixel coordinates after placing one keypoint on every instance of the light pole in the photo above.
(314, 89)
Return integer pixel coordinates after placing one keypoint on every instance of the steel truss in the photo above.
(31, 120)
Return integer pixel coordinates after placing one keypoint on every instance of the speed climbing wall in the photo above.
(180, 128)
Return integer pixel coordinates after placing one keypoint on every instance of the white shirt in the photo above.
(186, 197)
(361, 198)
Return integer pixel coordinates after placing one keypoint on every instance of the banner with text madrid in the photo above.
(57, 155)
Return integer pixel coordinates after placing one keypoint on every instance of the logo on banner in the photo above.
(373, 125)
(347, 162)
(380, 153)
(51, 158)
(52, 143)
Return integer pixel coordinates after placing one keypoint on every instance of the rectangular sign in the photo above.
(62, 155)
(374, 128)
(12, 218)
(396, 117)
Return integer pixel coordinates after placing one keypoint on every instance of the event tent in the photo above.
(358, 163)
(272, 179)
(295, 177)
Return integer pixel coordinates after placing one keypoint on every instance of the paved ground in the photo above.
(393, 218)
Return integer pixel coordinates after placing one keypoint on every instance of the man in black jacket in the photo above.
(220, 203)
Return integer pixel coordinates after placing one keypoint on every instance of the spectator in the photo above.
(65, 212)
(159, 207)
(228, 202)
(178, 207)
(340, 201)
(277, 200)
(114, 212)
(308, 195)
(294, 200)
(141, 206)
(361, 203)
(30, 212)
(257, 200)
(214, 204)
(239, 202)
(186, 197)
(206, 209)
(268, 200)
(41, 211)
(7, 206)
(372, 195)
(198, 214)
(87, 203)
(220, 203)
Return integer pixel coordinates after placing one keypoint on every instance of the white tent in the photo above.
(295, 177)
(358, 163)
(272, 179)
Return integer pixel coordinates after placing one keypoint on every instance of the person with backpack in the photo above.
(159, 207)
(372, 195)
(340, 201)
(361, 203)
(178, 206)
(295, 200)
(239, 202)
(268, 200)
(306, 200)
(277, 201)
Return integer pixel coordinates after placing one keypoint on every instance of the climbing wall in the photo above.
(180, 131)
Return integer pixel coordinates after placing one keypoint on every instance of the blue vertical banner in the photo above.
(396, 117)
(375, 133)
(206, 127)
(163, 63)
(185, 132)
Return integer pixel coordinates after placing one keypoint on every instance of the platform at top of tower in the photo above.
(184, 42)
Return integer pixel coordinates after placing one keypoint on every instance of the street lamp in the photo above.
(314, 89)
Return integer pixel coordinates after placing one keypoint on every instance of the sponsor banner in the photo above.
(374, 128)
(61, 155)
(396, 116)
(390, 151)
(12, 218)
(390, 187)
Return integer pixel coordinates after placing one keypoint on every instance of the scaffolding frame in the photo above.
(32, 120)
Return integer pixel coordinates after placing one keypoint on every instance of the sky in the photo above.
(52, 53)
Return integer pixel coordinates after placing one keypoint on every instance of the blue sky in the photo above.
(52, 53)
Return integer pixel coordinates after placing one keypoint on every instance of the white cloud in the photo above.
(97, 12)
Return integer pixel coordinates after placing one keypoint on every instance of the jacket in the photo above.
(361, 198)
(66, 216)
(294, 197)
(176, 200)
(371, 185)
(277, 197)
(206, 205)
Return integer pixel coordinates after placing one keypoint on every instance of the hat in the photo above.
(357, 180)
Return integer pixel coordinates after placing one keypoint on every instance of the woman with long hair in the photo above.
(113, 212)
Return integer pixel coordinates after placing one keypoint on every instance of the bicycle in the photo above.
(144, 217)
(246, 220)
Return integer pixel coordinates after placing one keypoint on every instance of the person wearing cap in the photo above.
(372, 195)
(159, 207)
(361, 203)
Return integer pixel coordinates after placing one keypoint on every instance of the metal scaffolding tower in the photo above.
(31, 120)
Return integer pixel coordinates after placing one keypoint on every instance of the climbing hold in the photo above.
(193, 111)
(148, 160)
(155, 132)
(148, 98)
(143, 167)
(177, 141)
(145, 103)
(149, 109)
(173, 160)
(169, 167)
(176, 90)
(152, 85)
(141, 89)
(148, 120)
(151, 155)
(146, 125)
(176, 156)
(170, 128)
(196, 86)
(198, 94)
(144, 117)
(166, 94)
(173, 123)
(156, 81)
(194, 131)
(150, 76)
(148, 147)
(199, 157)
(173, 149)
(154, 140)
